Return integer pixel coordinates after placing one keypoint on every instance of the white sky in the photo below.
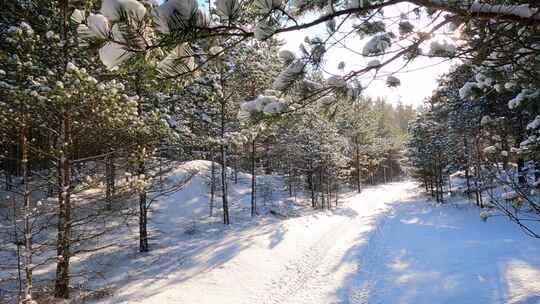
(418, 78)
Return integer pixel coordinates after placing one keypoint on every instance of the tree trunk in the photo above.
(337, 194)
(235, 166)
(212, 182)
(253, 181)
(143, 217)
(63, 244)
(522, 174)
(321, 185)
(358, 173)
(27, 223)
(110, 180)
(536, 171)
(224, 195)
(311, 187)
(468, 181)
(289, 176)
(18, 244)
(143, 210)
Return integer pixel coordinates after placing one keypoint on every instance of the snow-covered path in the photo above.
(316, 276)
(385, 245)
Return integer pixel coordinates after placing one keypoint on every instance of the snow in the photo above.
(25, 26)
(467, 90)
(392, 81)
(405, 27)
(388, 244)
(336, 81)
(356, 3)
(374, 63)
(533, 125)
(227, 8)
(178, 61)
(490, 150)
(287, 56)
(215, 50)
(78, 16)
(112, 9)
(292, 72)
(524, 95)
(509, 85)
(377, 45)
(523, 11)
(98, 25)
(441, 48)
(172, 10)
(263, 103)
(266, 6)
(113, 54)
(263, 30)
(70, 67)
(274, 108)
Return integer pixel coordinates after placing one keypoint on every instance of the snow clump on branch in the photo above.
(227, 9)
(177, 13)
(442, 49)
(113, 9)
(393, 81)
(377, 45)
(264, 104)
(289, 75)
(266, 6)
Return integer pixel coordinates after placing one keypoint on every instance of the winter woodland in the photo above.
(156, 151)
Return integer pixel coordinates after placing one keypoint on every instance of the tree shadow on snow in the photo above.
(173, 259)
(423, 253)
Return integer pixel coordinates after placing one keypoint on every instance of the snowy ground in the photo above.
(386, 245)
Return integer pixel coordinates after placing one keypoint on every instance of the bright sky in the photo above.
(418, 78)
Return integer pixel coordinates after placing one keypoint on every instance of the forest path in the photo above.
(385, 245)
(297, 260)
(346, 248)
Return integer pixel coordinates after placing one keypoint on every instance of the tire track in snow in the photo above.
(301, 270)
(307, 279)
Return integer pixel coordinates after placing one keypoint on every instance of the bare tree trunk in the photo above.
(212, 182)
(224, 195)
(468, 181)
(18, 244)
(235, 158)
(522, 175)
(27, 224)
(64, 216)
(337, 193)
(311, 186)
(143, 210)
(63, 242)
(321, 183)
(358, 173)
(110, 180)
(253, 180)
(289, 175)
(9, 180)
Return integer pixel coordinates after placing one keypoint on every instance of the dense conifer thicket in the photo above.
(99, 100)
